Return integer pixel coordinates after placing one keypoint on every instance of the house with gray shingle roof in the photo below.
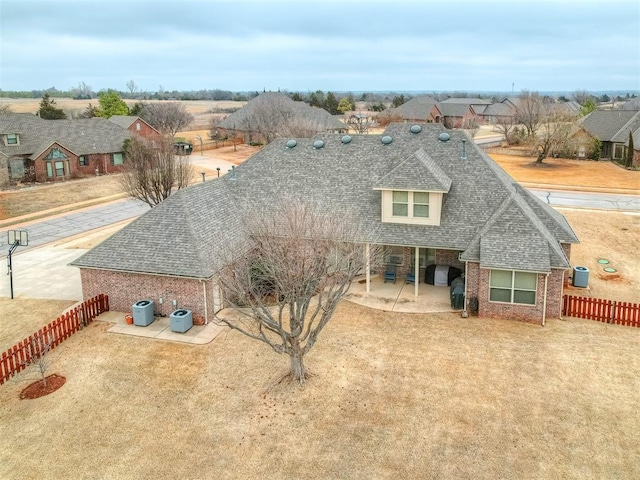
(50, 150)
(421, 109)
(428, 195)
(612, 128)
(272, 114)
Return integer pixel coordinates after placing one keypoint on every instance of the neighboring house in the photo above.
(421, 109)
(429, 196)
(273, 114)
(136, 125)
(633, 104)
(612, 128)
(478, 105)
(570, 109)
(51, 150)
(457, 115)
(498, 113)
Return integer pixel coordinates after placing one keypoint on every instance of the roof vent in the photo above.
(386, 140)
(464, 150)
(346, 139)
(444, 137)
(318, 144)
(415, 129)
(291, 143)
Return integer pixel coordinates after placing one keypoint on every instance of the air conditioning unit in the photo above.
(142, 312)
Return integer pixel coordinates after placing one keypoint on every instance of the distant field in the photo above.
(74, 107)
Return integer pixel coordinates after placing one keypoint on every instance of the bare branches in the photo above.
(286, 287)
(152, 170)
(167, 117)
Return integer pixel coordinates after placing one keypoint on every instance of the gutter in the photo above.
(544, 303)
(206, 309)
(465, 313)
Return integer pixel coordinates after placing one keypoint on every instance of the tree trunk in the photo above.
(298, 371)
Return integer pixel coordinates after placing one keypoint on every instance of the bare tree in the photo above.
(133, 88)
(37, 360)
(553, 134)
(471, 125)
(152, 170)
(531, 110)
(167, 117)
(299, 263)
(505, 125)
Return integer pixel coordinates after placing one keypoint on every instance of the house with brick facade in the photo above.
(428, 195)
(39, 150)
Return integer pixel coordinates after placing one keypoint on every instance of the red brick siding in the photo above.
(449, 257)
(40, 165)
(145, 130)
(125, 289)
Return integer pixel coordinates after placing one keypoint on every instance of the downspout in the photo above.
(367, 256)
(544, 303)
(206, 309)
(416, 270)
(465, 313)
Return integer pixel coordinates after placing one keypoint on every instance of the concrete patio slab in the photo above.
(400, 296)
(160, 329)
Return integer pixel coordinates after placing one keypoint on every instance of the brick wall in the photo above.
(140, 127)
(125, 289)
(449, 257)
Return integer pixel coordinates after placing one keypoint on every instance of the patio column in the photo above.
(367, 256)
(416, 271)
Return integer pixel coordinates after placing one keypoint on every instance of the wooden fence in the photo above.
(20, 355)
(607, 311)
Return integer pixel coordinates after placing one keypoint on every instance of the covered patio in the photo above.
(400, 296)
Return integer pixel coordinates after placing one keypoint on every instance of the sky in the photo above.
(329, 45)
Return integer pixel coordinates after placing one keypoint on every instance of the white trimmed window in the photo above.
(11, 139)
(410, 204)
(509, 286)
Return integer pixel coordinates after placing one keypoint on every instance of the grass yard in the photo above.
(22, 317)
(41, 198)
(394, 396)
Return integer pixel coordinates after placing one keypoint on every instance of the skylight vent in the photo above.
(444, 137)
(415, 129)
(346, 139)
(386, 140)
(291, 143)
(318, 144)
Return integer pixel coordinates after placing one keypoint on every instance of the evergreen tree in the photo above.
(48, 109)
(331, 104)
(111, 104)
(629, 162)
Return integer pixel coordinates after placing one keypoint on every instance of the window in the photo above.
(394, 255)
(83, 161)
(410, 204)
(138, 126)
(59, 164)
(618, 151)
(11, 139)
(400, 204)
(421, 204)
(513, 287)
(116, 159)
(49, 170)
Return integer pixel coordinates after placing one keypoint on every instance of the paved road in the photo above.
(604, 201)
(69, 224)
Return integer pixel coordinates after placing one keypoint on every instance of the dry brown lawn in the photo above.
(574, 174)
(393, 396)
(29, 201)
(22, 317)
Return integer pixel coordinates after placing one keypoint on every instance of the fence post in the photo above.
(612, 315)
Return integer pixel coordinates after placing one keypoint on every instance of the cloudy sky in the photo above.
(337, 45)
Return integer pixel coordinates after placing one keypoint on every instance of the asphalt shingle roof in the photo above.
(606, 124)
(242, 119)
(418, 108)
(192, 232)
(82, 136)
